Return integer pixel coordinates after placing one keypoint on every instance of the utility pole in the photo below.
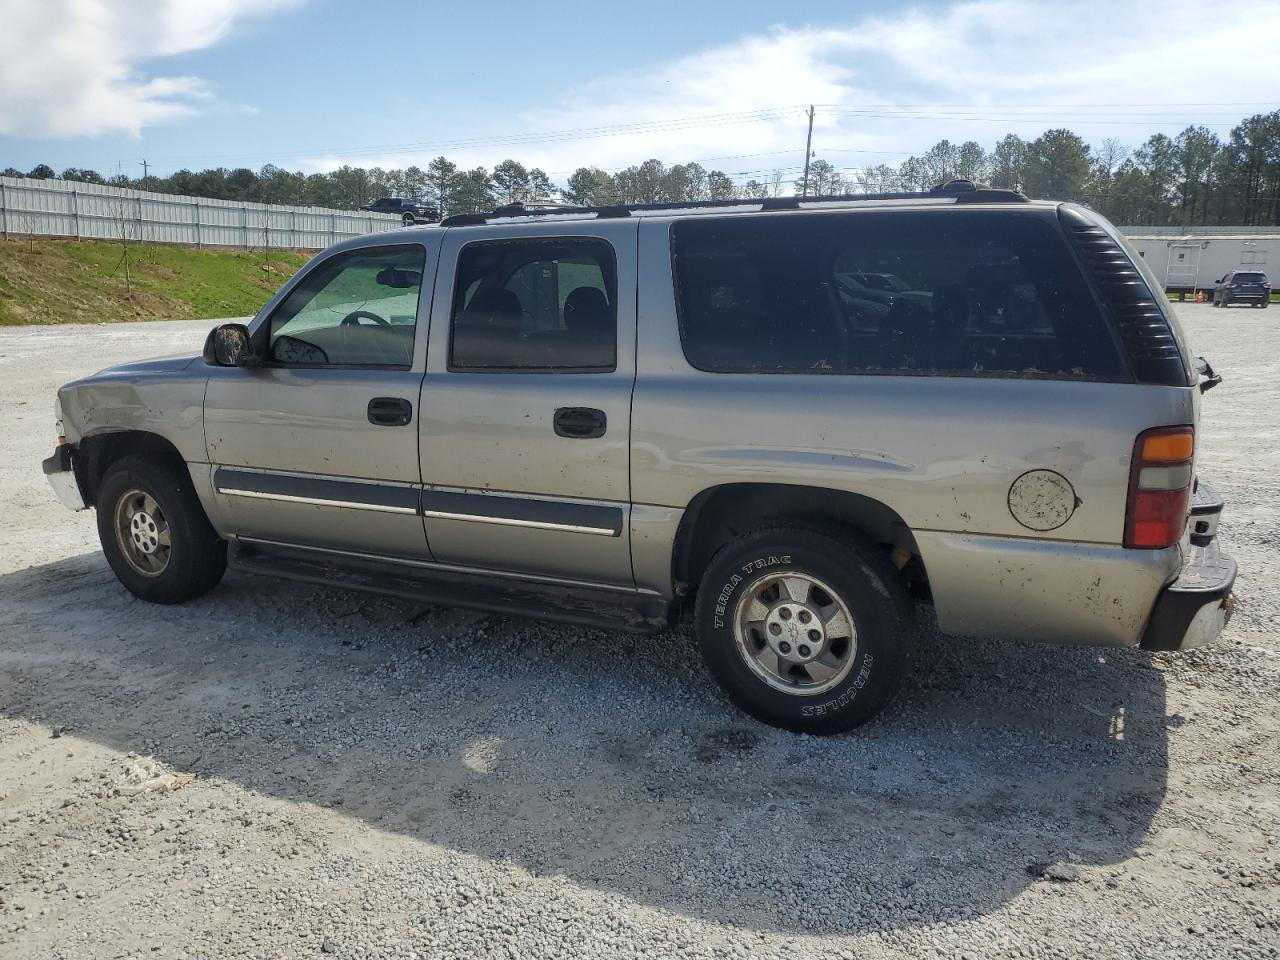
(808, 144)
(144, 164)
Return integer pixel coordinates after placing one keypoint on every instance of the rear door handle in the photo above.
(580, 423)
(390, 411)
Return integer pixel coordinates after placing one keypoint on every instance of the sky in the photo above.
(313, 84)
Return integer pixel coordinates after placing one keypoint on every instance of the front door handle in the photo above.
(580, 423)
(390, 411)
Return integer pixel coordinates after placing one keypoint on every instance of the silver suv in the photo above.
(608, 415)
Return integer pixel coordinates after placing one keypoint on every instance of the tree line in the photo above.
(1195, 178)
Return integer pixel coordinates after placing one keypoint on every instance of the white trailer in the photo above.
(1197, 260)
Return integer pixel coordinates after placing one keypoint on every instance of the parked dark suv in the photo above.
(1243, 286)
(411, 211)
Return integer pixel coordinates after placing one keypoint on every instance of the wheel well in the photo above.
(724, 513)
(98, 452)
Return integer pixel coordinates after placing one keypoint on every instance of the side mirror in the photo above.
(229, 346)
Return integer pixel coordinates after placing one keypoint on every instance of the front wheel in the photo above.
(804, 629)
(155, 534)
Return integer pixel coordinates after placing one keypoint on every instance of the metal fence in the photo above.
(67, 208)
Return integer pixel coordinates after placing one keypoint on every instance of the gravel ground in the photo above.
(358, 777)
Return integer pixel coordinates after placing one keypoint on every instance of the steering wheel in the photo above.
(353, 319)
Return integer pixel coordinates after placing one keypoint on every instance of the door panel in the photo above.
(317, 454)
(489, 431)
(309, 421)
(505, 487)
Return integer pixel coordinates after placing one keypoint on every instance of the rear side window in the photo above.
(926, 292)
(535, 305)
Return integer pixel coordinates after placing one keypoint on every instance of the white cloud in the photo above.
(972, 70)
(75, 67)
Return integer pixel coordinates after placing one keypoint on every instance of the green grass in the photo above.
(68, 281)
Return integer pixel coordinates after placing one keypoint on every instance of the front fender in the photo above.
(168, 403)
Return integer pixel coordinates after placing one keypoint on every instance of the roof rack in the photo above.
(964, 191)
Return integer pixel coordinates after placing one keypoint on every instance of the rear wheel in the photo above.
(804, 630)
(155, 534)
(408, 220)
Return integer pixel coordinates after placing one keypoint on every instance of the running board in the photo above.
(584, 606)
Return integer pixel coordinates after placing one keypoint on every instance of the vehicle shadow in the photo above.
(610, 760)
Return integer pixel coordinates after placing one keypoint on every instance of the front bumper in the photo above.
(61, 474)
(1193, 610)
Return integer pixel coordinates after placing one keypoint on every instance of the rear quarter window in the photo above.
(949, 293)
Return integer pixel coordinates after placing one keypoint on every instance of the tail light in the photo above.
(1159, 488)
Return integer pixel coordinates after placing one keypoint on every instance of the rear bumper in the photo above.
(1192, 610)
(1206, 507)
(61, 474)
(1045, 591)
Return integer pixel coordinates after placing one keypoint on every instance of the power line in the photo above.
(577, 133)
(989, 114)
(1030, 106)
(1023, 118)
(771, 114)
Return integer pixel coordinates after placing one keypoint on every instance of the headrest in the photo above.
(493, 307)
(586, 309)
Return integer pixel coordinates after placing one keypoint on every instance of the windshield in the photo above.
(1250, 277)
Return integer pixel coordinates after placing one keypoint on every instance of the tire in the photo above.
(141, 500)
(846, 684)
(408, 220)
(1264, 304)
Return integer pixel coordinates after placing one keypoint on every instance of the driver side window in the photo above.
(355, 309)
